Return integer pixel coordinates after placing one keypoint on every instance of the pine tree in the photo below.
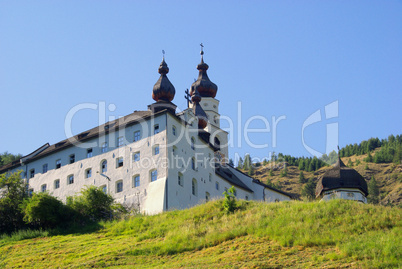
(247, 162)
(240, 164)
(373, 190)
(271, 173)
(302, 179)
(251, 171)
(231, 162)
(308, 190)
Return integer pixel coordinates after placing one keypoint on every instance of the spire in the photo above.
(163, 88)
(198, 111)
(203, 85)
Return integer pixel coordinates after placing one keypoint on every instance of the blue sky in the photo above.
(278, 58)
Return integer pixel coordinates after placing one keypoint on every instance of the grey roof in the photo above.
(225, 173)
(340, 176)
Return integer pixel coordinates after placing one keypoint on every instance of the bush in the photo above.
(92, 204)
(44, 210)
(229, 204)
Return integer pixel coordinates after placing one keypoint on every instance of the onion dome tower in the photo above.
(163, 91)
(198, 111)
(203, 85)
(344, 181)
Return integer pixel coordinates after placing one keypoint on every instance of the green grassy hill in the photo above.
(387, 175)
(336, 234)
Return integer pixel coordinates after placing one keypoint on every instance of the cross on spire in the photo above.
(187, 96)
(202, 49)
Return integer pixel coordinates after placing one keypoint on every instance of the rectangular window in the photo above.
(154, 175)
(88, 173)
(104, 147)
(58, 163)
(136, 156)
(31, 173)
(137, 136)
(119, 186)
(89, 153)
(120, 141)
(217, 185)
(136, 181)
(104, 189)
(174, 130)
(119, 162)
(156, 129)
(156, 150)
(44, 168)
(57, 184)
(70, 179)
(210, 177)
(72, 158)
(43, 188)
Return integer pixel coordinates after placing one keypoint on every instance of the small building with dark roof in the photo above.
(342, 182)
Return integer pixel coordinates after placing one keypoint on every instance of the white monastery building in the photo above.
(155, 160)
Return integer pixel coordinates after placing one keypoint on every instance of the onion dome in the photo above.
(341, 176)
(198, 111)
(203, 85)
(163, 88)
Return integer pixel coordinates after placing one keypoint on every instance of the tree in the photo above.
(240, 163)
(271, 173)
(231, 162)
(373, 191)
(6, 158)
(13, 190)
(93, 203)
(247, 162)
(229, 204)
(284, 172)
(251, 171)
(265, 162)
(308, 190)
(302, 179)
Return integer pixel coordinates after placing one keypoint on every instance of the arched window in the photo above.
(104, 166)
(180, 179)
(194, 186)
(193, 163)
(217, 185)
(207, 196)
(192, 143)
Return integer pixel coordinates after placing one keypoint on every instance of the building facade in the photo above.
(155, 160)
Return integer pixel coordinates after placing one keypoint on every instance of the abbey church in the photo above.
(156, 159)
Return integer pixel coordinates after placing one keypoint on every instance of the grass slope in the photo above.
(387, 175)
(336, 234)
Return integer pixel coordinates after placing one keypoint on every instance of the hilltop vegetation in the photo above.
(289, 234)
(373, 159)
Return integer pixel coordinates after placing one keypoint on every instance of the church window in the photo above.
(174, 130)
(193, 163)
(120, 140)
(154, 175)
(156, 129)
(180, 179)
(194, 186)
(136, 181)
(72, 158)
(89, 153)
(217, 185)
(119, 186)
(70, 179)
(174, 150)
(58, 163)
(156, 150)
(104, 166)
(207, 196)
(119, 162)
(44, 168)
(136, 156)
(193, 143)
(31, 173)
(43, 188)
(57, 184)
(88, 173)
(137, 136)
(104, 147)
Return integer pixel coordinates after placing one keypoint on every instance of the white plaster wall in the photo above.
(343, 194)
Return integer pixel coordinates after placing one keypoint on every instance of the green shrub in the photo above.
(229, 203)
